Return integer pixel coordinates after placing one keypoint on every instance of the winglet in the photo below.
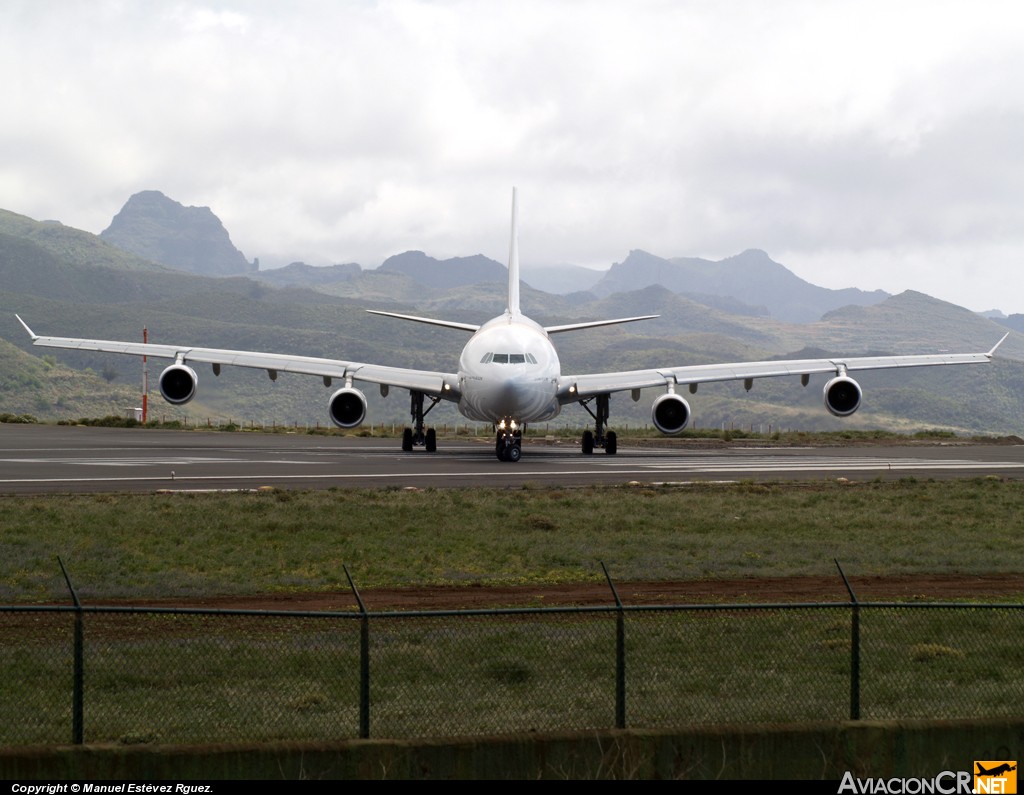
(25, 326)
(989, 354)
(513, 260)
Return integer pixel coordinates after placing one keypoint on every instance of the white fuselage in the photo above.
(509, 371)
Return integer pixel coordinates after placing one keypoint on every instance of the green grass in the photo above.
(191, 545)
(173, 679)
(163, 679)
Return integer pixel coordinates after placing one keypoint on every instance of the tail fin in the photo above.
(513, 260)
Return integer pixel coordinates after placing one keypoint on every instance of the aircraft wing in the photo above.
(572, 388)
(426, 381)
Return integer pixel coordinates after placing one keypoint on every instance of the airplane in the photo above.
(509, 375)
(997, 771)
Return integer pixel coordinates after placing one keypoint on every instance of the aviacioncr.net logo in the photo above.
(948, 782)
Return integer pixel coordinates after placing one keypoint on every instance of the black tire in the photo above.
(431, 440)
(499, 450)
(611, 443)
(587, 445)
(407, 440)
(513, 453)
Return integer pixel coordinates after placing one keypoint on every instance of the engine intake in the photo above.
(178, 384)
(670, 413)
(347, 407)
(842, 396)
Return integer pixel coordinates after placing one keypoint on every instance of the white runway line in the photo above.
(148, 461)
(824, 464)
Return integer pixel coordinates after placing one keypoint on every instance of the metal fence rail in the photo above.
(135, 675)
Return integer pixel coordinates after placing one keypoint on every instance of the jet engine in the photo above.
(347, 407)
(842, 396)
(670, 413)
(178, 384)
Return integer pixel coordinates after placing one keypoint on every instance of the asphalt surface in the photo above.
(37, 459)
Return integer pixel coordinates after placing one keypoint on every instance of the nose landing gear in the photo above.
(508, 444)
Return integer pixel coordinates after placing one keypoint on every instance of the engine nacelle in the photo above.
(347, 407)
(670, 413)
(842, 396)
(178, 384)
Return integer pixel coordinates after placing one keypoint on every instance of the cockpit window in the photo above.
(508, 358)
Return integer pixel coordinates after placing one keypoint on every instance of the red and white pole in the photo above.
(145, 376)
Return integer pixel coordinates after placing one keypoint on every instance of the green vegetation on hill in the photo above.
(42, 387)
(65, 282)
(71, 246)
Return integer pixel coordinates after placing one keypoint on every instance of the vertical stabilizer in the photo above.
(513, 260)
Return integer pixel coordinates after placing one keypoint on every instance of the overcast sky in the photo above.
(868, 144)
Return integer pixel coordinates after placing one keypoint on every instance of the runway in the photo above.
(39, 459)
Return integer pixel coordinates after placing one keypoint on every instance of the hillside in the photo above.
(299, 274)
(71, 246)
(41, 386)
(444, 274)
(115, 298)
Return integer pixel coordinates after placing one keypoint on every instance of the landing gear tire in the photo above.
(407, 440)
(513, 453)
(499, 451)
(431, 443)
(587, 445)
(611, 443)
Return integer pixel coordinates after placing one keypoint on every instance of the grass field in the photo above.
(160, 678)
(190, 545)
(153, 678)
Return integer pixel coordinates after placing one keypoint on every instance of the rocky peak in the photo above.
(187, 238)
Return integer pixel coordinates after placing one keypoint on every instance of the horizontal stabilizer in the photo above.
(595, 323)
(429, 321)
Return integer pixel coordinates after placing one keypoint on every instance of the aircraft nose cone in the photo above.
(513, 396)
(508, 396)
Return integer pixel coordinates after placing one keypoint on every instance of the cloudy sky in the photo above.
(869, 144)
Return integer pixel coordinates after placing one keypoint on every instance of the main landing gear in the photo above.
(597, 437)
(416, 436)
(508, 443)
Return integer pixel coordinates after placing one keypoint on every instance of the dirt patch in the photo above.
(942, 588)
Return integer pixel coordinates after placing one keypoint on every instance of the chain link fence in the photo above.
(138, 675)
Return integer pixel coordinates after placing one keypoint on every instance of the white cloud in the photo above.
(823, 132)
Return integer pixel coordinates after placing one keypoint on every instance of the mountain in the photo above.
(1015, 322)
(751, 277)
(444, 274)
(187, 238)
(560, 279)
(299, 274)
(70, 283)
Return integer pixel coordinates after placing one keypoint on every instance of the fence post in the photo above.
(78, 665)
(364, 662)
(620, 656)
(854, 648)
